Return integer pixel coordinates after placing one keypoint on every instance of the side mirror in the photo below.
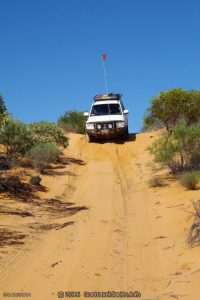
(86, 114)
(126, 111)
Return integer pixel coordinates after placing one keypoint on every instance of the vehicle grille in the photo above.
(105, 126)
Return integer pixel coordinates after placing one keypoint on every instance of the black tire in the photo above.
(88, 138)
(126, 135)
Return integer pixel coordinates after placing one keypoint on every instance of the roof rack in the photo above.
(111, 96)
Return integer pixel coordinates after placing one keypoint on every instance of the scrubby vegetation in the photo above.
(181, 150)
(42, 154)
(178, 111)
(40, 143)
(156, 181)
(16, 137)
(72, 121)
(48, 132)
(190, 180)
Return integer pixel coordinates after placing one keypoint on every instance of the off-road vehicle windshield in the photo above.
(106, 109)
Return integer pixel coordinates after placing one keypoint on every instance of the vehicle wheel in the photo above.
(88, 138)
(126, 134)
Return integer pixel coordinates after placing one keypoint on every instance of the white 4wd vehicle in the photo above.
(107, 118)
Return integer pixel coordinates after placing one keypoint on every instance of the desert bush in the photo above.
(156, 181)
(180, 150)
(44, 132)
(164, 152)
(72, 121)
(190, 180)
(187, 141)
(42, 154)
(16, 137)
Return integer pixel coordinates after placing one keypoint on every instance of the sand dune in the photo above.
(98, 226)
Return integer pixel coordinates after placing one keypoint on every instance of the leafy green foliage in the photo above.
(171, 107)
(45, 132)
(190, 180)
(164, 151)
(72, 121)
(16, 137)
(180, 150)
(42, 154)
(188, 144)
(19, 138)
(191, 109)
(3, 110)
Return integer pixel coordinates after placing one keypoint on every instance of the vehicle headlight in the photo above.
(98, 126)
(120, 124)
(90, 126)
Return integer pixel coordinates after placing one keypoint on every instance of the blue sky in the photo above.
(50, 53)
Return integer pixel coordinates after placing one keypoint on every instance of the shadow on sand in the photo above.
(131, 138)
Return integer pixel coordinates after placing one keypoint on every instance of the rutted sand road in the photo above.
(130, 238)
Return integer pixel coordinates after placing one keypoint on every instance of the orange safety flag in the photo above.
(104, 56)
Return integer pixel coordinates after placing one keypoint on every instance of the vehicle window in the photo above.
(115, 109)
(100, 110)
(106, 109)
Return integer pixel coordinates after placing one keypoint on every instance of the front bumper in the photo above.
(104, 130)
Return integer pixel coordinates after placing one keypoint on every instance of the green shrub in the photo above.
(180, 150)
(42, 154)
(72, 121)
(156, 182)
(48, 132)
(187, 141)
(164, 152)
(190, 180)
(16, 137)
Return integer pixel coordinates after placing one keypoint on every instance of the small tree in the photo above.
(42, 154)
(172, 107)
(166, 109)
(72, 121)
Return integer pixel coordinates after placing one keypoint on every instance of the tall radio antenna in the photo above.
(104, 72)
